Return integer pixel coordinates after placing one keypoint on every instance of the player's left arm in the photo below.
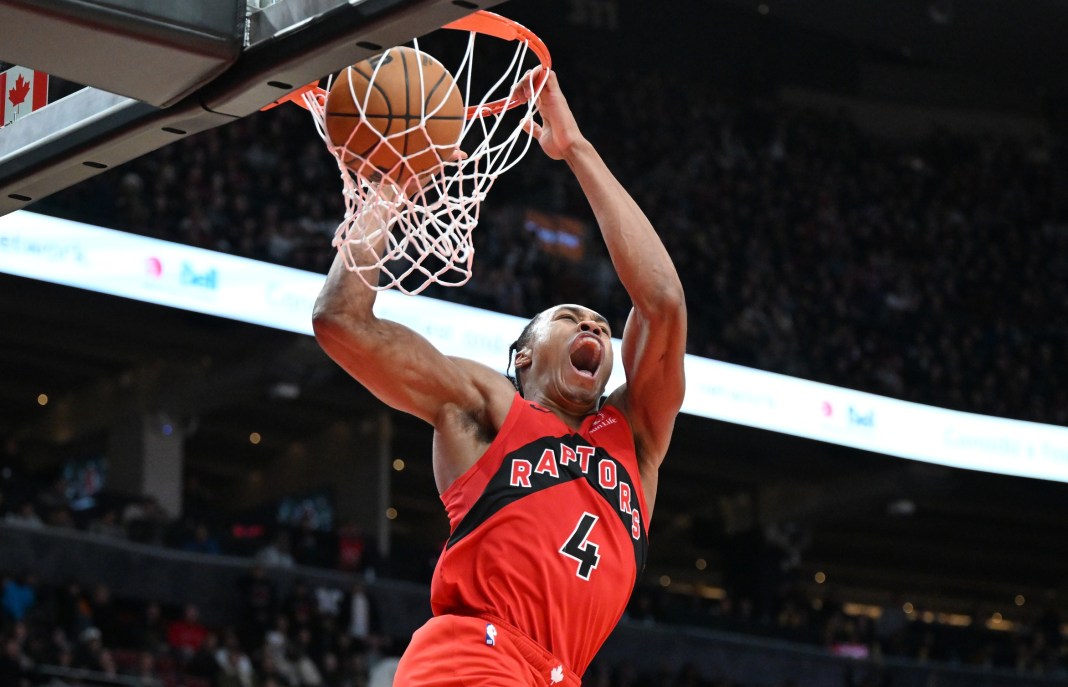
(654, 339)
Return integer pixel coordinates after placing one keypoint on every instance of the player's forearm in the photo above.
(639, 257)
(343, 294)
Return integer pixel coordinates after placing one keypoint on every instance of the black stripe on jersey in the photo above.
(499, 492)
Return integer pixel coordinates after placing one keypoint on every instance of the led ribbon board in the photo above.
(154, 271)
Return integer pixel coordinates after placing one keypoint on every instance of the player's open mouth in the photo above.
(586, 354)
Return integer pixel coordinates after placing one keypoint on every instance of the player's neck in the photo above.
(572, 415)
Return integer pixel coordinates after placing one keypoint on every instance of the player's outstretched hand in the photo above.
(558, 132)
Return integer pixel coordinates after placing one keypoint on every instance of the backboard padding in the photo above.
(36, 160)
(144, 49)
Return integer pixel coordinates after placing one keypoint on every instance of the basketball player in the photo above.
(548, 490)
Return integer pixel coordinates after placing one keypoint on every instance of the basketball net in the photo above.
(411, 238)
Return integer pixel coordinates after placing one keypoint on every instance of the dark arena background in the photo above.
(867, 199)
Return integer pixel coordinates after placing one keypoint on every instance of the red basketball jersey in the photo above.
(548, 531)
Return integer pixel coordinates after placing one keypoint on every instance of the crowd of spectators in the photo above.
(326, 636)
(1032, 644)
(327, 639)
(331, 636)
(306, 637)
(930, 270)
(30, 501)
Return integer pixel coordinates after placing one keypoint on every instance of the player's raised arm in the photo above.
(654, 340)
(396, 364)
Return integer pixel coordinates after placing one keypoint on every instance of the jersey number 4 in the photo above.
(579, 546)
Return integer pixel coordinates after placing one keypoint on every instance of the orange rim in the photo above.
(296, 96)
(487, 23)
(491, 24)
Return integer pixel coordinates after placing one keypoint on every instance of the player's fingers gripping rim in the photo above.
(532, 127)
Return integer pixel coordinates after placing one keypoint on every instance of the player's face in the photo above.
(572, 347)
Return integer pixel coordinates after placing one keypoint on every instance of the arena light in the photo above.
(154, 271)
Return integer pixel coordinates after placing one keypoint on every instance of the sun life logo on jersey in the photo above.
(602, 421)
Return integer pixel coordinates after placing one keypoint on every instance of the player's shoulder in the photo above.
(494, 387)
(482, 374)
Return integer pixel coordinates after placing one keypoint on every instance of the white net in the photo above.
(411, 238)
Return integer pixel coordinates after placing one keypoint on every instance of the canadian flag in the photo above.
(25, 90)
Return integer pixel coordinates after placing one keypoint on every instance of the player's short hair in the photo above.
(519, 344)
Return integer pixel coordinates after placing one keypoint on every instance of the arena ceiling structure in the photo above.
(873, 525)
(1001, 41)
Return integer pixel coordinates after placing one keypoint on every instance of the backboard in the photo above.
(166, 77)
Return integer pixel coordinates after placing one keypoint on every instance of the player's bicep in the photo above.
(397, 365)
(653, 353)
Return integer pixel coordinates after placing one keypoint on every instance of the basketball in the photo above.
(399, 120)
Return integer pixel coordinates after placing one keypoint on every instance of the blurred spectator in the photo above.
(144, 520)
(328, 601)
(258, 602)
(270, 672)
(14, 665)
(104, 615)
(235, 667)
(351, 547)
(298, 668)
(203, 662)
(59, 517)
(186, 635)
(202, 541)
(146, 670)
(331, 670)
(73, 612)
(300, 607)
(24, 515)
(57, 649)
(17, 596)
(89, 651)
(360, 616)
(276, 639)
(107, 525)
(55, 498)
(276, 554)
(307, 544)
(149, 631)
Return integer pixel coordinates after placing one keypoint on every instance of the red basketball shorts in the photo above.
(465, 651)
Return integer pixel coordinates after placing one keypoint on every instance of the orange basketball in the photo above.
(399, 120)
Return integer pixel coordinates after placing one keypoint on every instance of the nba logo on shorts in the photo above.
(491, 635)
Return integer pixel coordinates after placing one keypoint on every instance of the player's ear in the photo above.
(522, 358)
